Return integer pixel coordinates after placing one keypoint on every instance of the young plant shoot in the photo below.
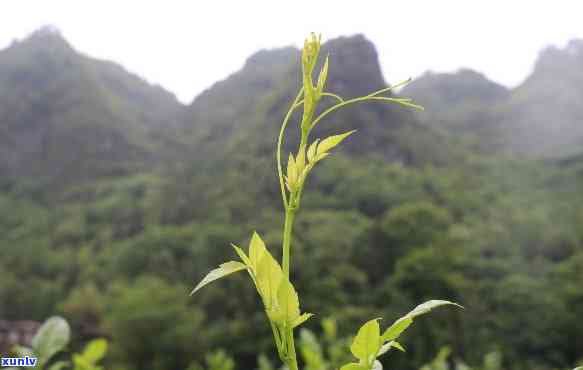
(272, 280)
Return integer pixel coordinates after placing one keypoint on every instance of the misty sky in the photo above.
(186, 46)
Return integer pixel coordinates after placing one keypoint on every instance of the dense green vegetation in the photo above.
(51, 341)
(113, 236)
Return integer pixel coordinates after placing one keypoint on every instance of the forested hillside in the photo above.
(115, 199)
(68, 118)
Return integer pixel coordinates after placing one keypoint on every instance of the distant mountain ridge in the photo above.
(541, 118)
(66, 117)
(243, 112)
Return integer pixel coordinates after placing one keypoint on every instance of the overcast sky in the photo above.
(185, 46)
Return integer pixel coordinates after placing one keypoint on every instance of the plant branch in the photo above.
(371, 97)
(392, 87)
(279, 144)
(337, 97)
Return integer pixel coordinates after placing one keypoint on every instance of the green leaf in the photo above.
(302, 319)
(256, 250)
(322, 77)
(80, 362)
(292, 173)
(51, 338)
(377, 365)
(95, 350)
(242, 255)
(430, 305)
(91, 355)
(269, 277)
(330, 142)
(399, 326)
(353, 366)
(312, 150)
(390, 345)
(367, 342)
(301, 162)
(223, 270)
(321, 156)
(288, 301)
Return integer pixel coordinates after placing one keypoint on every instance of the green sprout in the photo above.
(272, 280)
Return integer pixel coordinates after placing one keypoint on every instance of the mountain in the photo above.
(539, 118)
(244, 111)
(544, 115)
(225, 108)
(455, 100)
(67, 117)
(231, 129)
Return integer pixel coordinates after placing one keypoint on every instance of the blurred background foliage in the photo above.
(115, 199)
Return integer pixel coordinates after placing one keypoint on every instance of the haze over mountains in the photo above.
(64, 114)
(539, 118)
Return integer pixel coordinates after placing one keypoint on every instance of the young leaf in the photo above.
(424, 308)
(312, 150)
(390, 345)
(321, 156)
(367, 342)
(288, 302)
(303, 318)
(242, 255)
(399, 326)
(95, 350)
(51, 338)
(269, 277)
(377, 365)
(322, 77)
(80, 362)
(292, 173)
(256, 250)
(223, 270)
(353, 366)
(330, 142)
(301, 161)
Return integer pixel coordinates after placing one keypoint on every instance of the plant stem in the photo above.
(277, 339)
(291, 205)
(290, 213)
(292, 362)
